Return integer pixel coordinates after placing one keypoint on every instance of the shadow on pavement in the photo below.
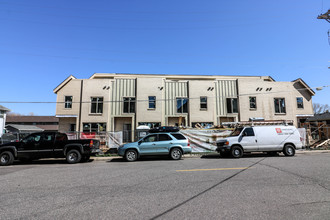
(45, 161)
(144, 158)
(246, 155)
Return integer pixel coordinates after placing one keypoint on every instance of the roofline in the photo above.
(3, 108)
(26, 129)
(60, 86)
(113, 75)
(305, 84)
(272, 78)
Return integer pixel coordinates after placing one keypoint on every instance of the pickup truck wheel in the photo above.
(6, 158)
(131, 155)
(176, 154)
(289, 150)
(73, 156)
(236, 152)
(85, 158)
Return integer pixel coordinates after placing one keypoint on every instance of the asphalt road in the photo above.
(253, 187)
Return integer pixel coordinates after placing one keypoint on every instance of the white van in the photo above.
(271, 139)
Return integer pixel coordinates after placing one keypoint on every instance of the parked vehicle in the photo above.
(271, 139)
(173, 144)
(48, 145)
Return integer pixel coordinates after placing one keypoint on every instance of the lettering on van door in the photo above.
(284, 131)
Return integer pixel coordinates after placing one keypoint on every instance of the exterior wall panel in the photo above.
(224, 89)
(121, 88)
(174, 90)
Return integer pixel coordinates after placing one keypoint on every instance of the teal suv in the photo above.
(173, 144)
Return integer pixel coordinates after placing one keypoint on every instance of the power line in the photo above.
(104, 18)
(113, 11)
(103, 59)
(136, 28)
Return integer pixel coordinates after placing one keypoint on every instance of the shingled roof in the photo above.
(14, 119)
(320, 117)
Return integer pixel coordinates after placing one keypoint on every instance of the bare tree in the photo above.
(18, 114)
(14, 114)
(320, 108)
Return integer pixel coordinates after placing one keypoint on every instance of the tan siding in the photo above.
(172, 91)
(224, 89)
(121, 88)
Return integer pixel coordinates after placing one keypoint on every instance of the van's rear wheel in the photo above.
(236, 152)
(289, 150)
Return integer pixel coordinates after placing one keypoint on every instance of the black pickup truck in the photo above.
(48, 145)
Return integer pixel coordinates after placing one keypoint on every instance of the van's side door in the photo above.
(248, 140)
(269, 139)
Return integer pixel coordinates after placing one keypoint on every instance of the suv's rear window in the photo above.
(179, 136)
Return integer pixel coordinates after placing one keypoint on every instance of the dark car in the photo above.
(48, 145)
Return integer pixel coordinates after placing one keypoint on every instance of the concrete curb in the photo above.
(199, 155)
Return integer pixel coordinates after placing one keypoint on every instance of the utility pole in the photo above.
(325, 16)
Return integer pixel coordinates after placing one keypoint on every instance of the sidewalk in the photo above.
(304, 151)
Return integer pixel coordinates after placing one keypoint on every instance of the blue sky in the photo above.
(43, 42)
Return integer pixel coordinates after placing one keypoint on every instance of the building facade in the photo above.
(119, 102)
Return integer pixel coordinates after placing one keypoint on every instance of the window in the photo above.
(94, 127)
(68, 102)
(164, 137)
(248, 132)
(152, 102)
(232, 105)
(236, 132)
(253, 102)
(61, 137)
(179, 136)
(203, 101)
(97, 105)
(181, 105)
(48, 137)
(33, 138)
(279, 105)
(300, 102)
(129, 105)
(72, 127)
(150, 138)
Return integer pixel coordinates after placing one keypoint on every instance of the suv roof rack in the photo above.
(164, 129)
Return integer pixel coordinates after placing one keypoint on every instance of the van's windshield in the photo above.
(236, 132)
